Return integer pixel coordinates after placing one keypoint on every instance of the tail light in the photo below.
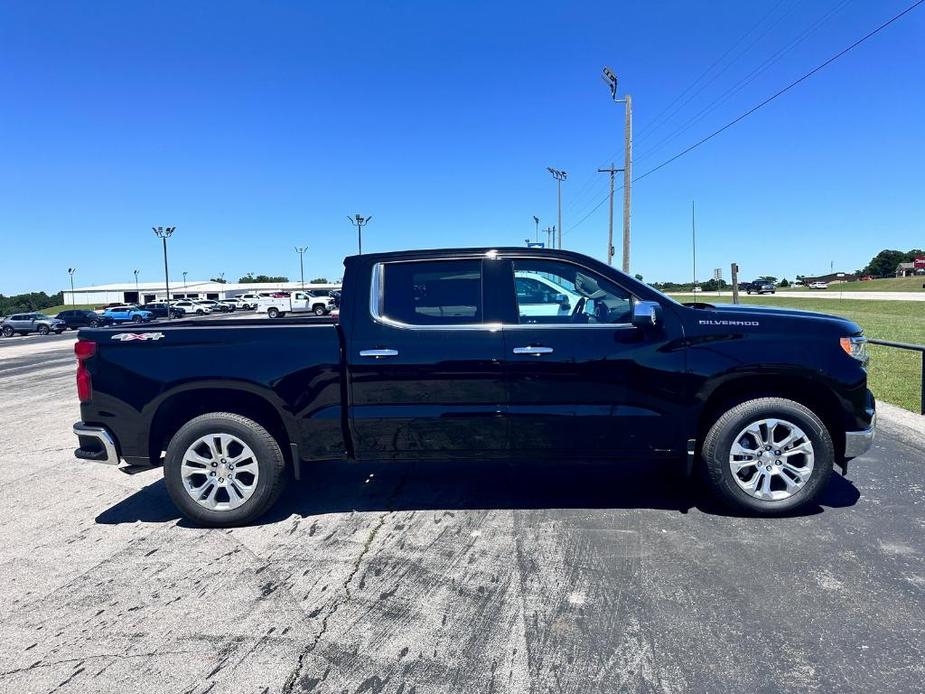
(83, 350)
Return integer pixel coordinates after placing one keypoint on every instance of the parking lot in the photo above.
(392, 578)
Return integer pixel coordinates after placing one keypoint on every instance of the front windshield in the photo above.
(40, 316)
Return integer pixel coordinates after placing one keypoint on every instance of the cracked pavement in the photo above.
(462, 577)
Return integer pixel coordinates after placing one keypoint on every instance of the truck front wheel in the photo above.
(768, 456)
(319, 310)
(273, 312)
(223, 469)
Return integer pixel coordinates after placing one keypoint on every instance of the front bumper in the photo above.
(96, 444)
(859, 442)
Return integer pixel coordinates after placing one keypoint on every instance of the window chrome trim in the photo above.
(377, 296)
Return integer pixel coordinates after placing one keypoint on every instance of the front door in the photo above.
(426, 365)
(585, 380)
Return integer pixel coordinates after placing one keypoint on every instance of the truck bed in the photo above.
(293, 366)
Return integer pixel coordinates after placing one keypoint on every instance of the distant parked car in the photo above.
(250, 300)
(76, 318)
(818, 285)
(234, 304)
(760, 287)
(159, 310)
(193, 307)
(216, 306)
(25, 323)
(128, 314)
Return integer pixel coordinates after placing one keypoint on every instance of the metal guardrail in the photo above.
(912, 348)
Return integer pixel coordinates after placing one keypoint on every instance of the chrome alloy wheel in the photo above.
(771, 459)
(219, 472)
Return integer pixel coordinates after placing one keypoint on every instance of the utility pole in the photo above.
(735, 283)
(550, 236)
(71, 271)
(611, 79)
(694, 242)
(136, 282)
(184, 280)
(559, 176)
(536, 220)
(359, 221)
(301, 252)
(611, 171)
(164, 233)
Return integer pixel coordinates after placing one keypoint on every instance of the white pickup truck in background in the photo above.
(297, 302)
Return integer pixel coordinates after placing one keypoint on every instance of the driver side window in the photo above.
(559, 293)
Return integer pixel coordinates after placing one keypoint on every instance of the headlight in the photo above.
(855, 347)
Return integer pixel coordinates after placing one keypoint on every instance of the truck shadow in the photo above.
(465, 485)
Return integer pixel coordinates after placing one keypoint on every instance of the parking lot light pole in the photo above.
(359, 221)
(135, 272)
(301, 252)
(71, 271)
(536, 220)
(164, 233)
(611, 79)
(184, 280)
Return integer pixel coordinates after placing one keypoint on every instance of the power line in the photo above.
(783, 91)
(748, 79)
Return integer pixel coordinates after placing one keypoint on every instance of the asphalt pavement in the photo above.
(392, 578)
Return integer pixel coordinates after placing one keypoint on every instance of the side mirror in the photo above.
(646, 313)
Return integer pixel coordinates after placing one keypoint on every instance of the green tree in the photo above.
(884, 263)
(251, 278)
(320, 280)
(220, 280)
(785, 282)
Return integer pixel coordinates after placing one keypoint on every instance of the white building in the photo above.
(146, 292)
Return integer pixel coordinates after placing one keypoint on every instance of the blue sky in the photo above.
(257, 126)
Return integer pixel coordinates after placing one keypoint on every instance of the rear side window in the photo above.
(445, 292)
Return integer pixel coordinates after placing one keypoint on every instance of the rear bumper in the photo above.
(96, 444)
(859, 442)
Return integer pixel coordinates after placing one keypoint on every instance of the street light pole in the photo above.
(536, 220)
(184, 280)
(559, 176)
(611, 79)
(301, 252)
(164, 233)
(71, 271)
(359, 221)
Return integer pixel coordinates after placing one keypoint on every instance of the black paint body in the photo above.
(451, 393)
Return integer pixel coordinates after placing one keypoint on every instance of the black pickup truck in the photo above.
(478, 353)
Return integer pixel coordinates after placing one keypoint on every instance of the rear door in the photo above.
(426, 363)
(586, 380)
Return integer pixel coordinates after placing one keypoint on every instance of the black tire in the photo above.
(273, 312)
(200, 312)
(58, 332)
(8, 331)
(319, 310)
(270, 462)
(43, 330)
(94, 324)
(137, 319)
(718, 443)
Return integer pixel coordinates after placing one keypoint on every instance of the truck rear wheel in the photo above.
(223, 469)
(768, 456)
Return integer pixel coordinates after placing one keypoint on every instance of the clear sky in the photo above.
(257, 126)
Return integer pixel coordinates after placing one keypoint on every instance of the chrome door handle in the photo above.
(533, 350)
(378, 353)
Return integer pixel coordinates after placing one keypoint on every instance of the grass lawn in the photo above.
(890, 284)
(895, 375)
(55, 310)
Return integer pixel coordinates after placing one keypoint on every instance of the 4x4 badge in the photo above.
(128, 337)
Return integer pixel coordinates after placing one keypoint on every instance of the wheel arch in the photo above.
(810, 392)
(176, 409)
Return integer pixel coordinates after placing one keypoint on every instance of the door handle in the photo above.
(378, 353)
(537, 351)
